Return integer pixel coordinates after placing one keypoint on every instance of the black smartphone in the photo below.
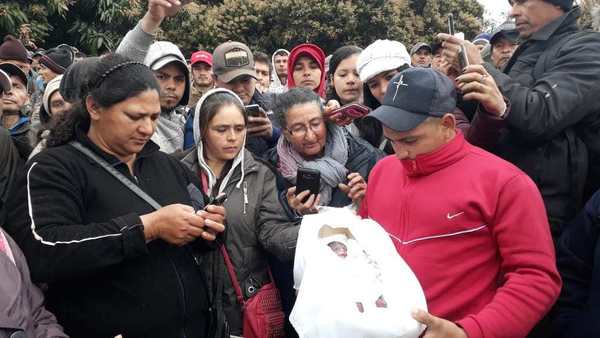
(451, 24)
(462, 55)
(308, 179)
(252, 110)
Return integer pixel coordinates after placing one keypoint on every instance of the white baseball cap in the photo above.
(381, 56)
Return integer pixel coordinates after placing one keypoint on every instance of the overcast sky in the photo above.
(495, 9)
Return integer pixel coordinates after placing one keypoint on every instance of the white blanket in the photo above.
(351, 281)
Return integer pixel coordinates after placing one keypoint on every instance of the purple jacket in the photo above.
(22, 312)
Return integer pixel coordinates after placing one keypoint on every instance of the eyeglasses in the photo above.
(299, 130)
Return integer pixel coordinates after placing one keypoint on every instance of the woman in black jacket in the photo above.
(114, 264)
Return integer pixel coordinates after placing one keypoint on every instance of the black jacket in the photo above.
(10, 164)
(553, 82)
(578, 308)
(85, 239)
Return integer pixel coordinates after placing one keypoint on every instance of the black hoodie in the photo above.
(81, 232)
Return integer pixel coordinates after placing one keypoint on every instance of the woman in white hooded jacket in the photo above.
(257, 223)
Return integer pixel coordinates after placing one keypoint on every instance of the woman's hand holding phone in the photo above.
(258, 122)
(300, 203)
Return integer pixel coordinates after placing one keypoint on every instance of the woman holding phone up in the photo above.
(310, 141)
(257, 222)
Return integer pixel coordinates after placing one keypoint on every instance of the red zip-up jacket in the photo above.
(473, 228)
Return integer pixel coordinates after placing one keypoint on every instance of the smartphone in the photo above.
(462, 55)
(252, 110)
(308, 179)
(352, 111)
(451, 24)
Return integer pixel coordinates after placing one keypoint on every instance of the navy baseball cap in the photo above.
(412, 96)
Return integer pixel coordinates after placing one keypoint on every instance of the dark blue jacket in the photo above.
(578, 308)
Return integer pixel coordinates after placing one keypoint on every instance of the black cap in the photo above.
(413, 95)
(506, 30)
(13, 70)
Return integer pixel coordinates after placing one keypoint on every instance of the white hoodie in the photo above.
(276, 86)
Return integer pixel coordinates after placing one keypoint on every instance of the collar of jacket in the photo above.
(81, 136)
(564, 22)
(20, 127)
(441, 158)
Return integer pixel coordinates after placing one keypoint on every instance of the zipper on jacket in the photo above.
(245, 195)
(182, 294)
(404, 224)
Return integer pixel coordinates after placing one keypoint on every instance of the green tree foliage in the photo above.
(92, 25)
(97, 25)
(467, 17)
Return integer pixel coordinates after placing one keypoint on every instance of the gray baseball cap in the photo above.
(419, 46)
(507, 30)
(413, 95)
(231, 60)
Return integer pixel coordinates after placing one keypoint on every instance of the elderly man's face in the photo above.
(17, 97)
(531, 15)
(502, 51)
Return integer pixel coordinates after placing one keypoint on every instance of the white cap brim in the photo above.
(375, 67)
(166, 60)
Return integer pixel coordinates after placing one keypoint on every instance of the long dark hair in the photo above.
(211, 106)
(111, 79)
(337, 57)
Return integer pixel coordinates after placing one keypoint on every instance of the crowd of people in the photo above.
(146, 194)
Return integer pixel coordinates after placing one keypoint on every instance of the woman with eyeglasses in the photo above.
(310, 141)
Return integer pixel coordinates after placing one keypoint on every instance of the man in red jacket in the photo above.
(471, 226)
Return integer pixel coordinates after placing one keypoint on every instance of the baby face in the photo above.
(339, 248)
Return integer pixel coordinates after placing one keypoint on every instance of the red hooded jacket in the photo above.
(473, 228)
(314, 52)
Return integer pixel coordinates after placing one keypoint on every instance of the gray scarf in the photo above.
(332, 165)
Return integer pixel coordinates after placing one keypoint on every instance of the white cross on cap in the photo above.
(398, 84)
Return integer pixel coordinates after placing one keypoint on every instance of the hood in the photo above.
(275, 82)
(51, 87)
(160, 54)
(239, 159)
(313, 51)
